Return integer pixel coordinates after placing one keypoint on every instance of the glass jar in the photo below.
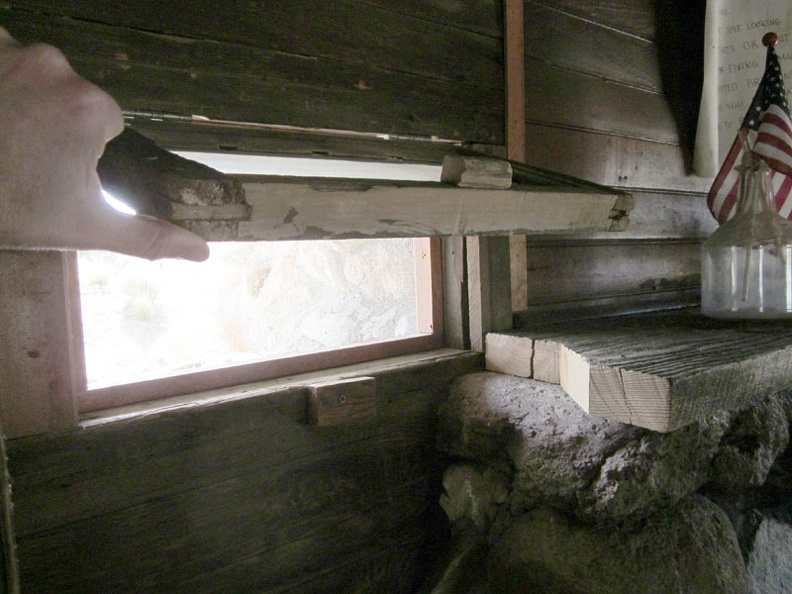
(746, 265)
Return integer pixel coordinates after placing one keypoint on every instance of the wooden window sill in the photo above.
(382, 367)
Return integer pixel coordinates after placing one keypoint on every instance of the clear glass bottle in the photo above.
(746, 265)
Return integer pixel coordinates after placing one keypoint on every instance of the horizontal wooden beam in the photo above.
(479, 199)
(338, 209)
(659, 370)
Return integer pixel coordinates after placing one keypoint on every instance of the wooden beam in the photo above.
(338, 209)
(660, 370)
(514, 45)
(514, 42)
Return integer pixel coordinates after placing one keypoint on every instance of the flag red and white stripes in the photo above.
(767, 131)
(774, 139)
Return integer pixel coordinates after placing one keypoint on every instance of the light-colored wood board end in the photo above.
(574, 372)
(545, 362)
(505, 353)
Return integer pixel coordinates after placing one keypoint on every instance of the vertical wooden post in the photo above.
(9, 572)
(492, 274)
(456, 332)
(514, 36)
(36, 366)
(489, 287)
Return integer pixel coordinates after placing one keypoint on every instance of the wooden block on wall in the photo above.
(343, 401)
(476, 172)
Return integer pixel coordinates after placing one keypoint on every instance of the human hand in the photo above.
(53, 128)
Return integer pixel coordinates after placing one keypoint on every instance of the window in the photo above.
(254, 310)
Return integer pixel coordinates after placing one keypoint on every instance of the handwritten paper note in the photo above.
(734, 60)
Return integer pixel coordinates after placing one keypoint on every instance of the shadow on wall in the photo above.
(679, 33)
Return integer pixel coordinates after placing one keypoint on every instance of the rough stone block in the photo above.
(472, 496)
(690, 549)
(769, 561)
(603, 471)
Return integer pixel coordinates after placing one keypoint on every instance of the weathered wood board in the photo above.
(240, 495)
(343, 401)
(299, 63)
(337, 209)
(659, 370)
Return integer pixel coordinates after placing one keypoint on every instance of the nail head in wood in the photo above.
(343, 401)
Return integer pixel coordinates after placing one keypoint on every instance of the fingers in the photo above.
(53, 128)
(169, 241)
(150, 238)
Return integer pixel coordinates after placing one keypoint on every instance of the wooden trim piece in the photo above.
(518, 255)
(455, 299)
(514, 41)
(36, 369)
(76, 343)
(192, 383)
(401, 372)
(485, 173)
(489, 287)
(427, 277)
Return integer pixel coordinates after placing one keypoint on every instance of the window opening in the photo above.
(260, 309)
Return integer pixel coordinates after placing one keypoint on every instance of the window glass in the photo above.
(249, 302)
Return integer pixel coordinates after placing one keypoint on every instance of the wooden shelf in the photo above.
(658, 370)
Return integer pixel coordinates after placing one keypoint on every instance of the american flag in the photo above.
(767, 126)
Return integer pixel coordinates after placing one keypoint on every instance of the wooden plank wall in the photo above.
(612, 91)
(243, 496)
(246, 496)
(388, 66)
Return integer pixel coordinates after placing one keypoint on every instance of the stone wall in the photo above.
(545, 498)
